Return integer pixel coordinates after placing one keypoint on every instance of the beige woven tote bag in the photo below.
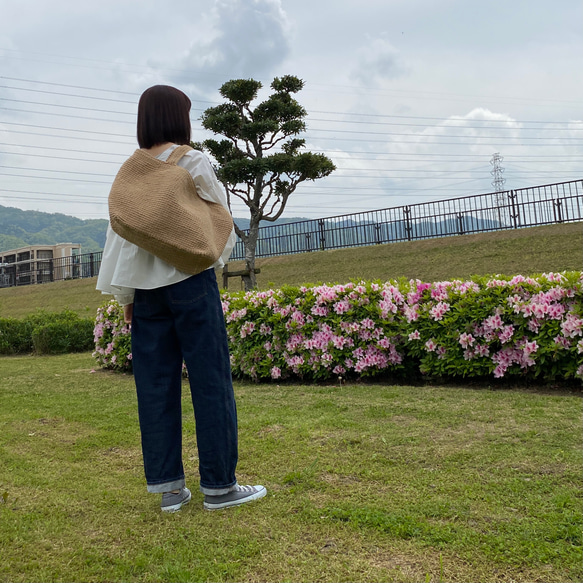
(155, 205)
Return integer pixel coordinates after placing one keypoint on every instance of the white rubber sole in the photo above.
(219, 505)
(177, 507)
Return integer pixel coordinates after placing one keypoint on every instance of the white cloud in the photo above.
(376, 62)
(246, 39)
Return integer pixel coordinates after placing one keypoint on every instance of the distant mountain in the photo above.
(20, 228)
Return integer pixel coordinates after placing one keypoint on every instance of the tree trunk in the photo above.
(250, 280)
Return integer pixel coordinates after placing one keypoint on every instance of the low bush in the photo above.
(501, 326)
(15, 336)
(73, 335)
(46, 333)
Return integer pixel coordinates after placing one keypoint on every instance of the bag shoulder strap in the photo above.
(177, 153)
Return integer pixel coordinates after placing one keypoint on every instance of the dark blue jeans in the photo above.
(184, 321)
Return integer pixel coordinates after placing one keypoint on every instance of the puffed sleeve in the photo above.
(110, 263)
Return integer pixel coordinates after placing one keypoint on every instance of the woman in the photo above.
(175, 316)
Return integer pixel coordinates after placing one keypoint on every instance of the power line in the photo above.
(67, 115)
(34, 146)
(28, 154)
(328, 112)
(423, 135)
(55, 178)
(342, 121)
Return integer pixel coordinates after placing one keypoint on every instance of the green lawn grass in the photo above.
(524, 251)
(365, 483)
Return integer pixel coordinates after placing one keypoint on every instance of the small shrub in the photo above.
(46, 333)
(15, 336)
(71, 335)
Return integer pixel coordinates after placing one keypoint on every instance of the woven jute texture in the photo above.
(154, 204)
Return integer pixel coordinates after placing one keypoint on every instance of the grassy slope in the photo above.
(526, 251)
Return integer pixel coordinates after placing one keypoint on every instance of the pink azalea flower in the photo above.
(562, 342)
(506, 334)
(466, 340)
(384, 343)
(412, 313)
(482, 350)
(430, 345)
(341, 307)
(530, 347)
(438, 311)
(493, 323)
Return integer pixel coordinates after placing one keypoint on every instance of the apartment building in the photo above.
(38, 264)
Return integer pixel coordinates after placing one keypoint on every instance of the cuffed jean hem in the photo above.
(217, 491)
(166, 486)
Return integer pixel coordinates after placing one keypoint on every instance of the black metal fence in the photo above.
(512, 209)
(33, 271)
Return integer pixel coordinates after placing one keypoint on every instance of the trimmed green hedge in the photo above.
(46, 333)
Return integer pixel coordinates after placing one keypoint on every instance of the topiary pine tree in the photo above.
(260, 161)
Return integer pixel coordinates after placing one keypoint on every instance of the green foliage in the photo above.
(72, 334)
(240, 91)
(15, 336)
(11, 242)
(20, 228)
(260, 161)
(46, 333)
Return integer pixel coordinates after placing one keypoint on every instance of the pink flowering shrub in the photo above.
(486, 327)
(113, 348)
(316, 332)
(529, 326)
(500, 326)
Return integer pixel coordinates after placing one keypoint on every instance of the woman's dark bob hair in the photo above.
(163, 116)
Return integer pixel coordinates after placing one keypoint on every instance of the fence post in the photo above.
(460, 219)
(377, 229)
(514, 211)
(408, 226)
(557, 206)
(322, 234)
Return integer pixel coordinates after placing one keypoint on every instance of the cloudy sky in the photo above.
(410, 98)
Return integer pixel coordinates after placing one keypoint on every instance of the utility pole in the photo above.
(498, 183)
(497, 171)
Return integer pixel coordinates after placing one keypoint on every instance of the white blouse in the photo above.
(126, 267)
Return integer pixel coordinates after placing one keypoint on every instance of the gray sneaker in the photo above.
(174, 502)
(238, 495)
